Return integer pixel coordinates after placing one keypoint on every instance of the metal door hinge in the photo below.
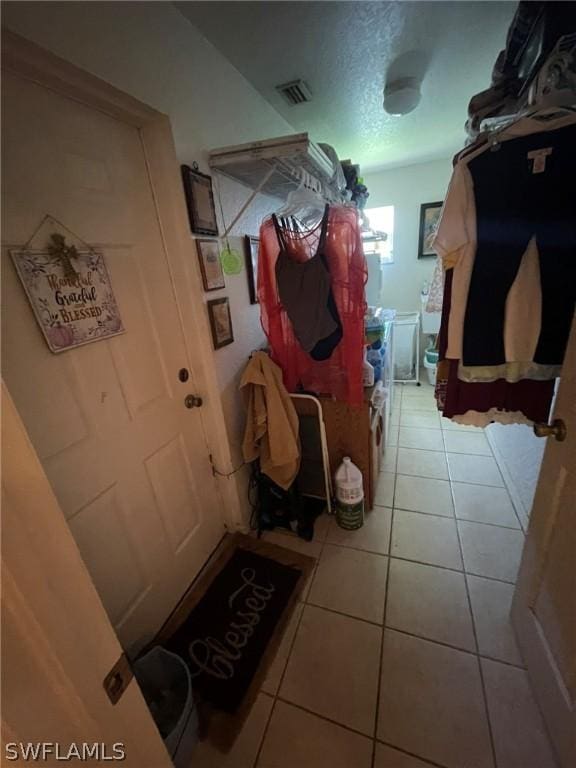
(118, 679)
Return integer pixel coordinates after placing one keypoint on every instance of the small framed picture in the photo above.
(251, 245)
(200, 201)
(220, 322)
(429, 220)
(210, 266)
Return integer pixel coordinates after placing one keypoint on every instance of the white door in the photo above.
(57, 643)
(127, 460)
(544, 606)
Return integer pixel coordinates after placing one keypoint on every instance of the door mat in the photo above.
(229, 625)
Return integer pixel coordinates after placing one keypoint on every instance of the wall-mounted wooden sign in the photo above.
(70, 292)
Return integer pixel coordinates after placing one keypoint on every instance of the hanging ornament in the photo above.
(231, 260)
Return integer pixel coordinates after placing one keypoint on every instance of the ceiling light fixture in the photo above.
(402, 96)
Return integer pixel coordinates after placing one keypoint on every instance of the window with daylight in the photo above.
(378, 239)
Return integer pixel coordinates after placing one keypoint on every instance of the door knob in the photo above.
(192, 401)
(556, 429)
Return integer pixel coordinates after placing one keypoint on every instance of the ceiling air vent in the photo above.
(295, 92)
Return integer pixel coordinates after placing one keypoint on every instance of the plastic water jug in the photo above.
(367, 371)
(349, 495)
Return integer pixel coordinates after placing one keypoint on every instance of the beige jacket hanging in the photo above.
(271, 432)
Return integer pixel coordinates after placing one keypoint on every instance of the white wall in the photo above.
(248, 333)
(149, 50)
(406, 188)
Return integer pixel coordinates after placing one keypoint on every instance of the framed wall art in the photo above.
(220, 322)
(429, 219)
(70, 292)
(210, 266)
(251, 245)
(200, 201)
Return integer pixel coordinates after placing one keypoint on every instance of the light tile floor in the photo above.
(401, 654)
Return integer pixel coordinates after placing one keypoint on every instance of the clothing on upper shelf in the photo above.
(272, 426)
(510, 127)
(535, 30)
(508, 228)
(312, 357)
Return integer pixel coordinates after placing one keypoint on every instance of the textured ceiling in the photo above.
(343, 51)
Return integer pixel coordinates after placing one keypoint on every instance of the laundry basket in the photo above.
(407, 347)
(167, 688)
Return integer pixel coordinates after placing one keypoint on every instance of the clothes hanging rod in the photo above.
(274, 167)
(296, 176)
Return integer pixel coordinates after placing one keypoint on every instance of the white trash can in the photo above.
(167, 688)
(431, 364)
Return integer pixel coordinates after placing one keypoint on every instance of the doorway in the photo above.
(128, 461)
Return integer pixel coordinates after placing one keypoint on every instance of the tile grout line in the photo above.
(462, 429)
(473, 621)
(426, 760)
(302, 708)
(490, 525)
(506, 489)
(381, 652)
(405, 631)
(476, 654)
(449, 479)
(422, 562)
(444, 567)
(481, 670)
(348, 615)
(276, 696)
(499, 470)
(455, 516)
(444, 451)
(342, 545)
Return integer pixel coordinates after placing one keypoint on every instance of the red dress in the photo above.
(341, 374)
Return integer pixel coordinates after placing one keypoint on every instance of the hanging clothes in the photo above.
(455, 243)
(436, 290)
(525, 255)
(478, 404)
(340, 372)
(532, 200)
(507, 238)
(305, 290)
(272, 426)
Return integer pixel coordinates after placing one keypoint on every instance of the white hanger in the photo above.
(304, 202)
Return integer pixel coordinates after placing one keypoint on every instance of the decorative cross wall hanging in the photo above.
(70, 291)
